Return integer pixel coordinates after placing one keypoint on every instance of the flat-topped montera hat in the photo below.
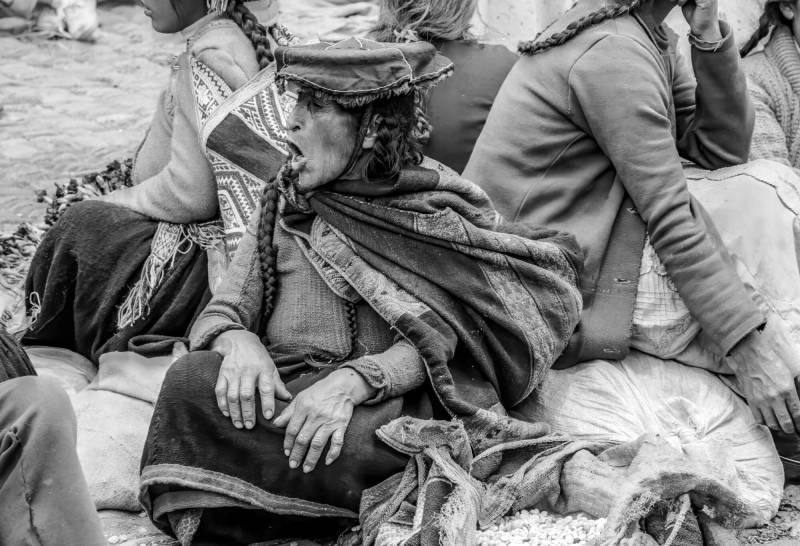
(358, 71)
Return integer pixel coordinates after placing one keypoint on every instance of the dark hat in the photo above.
(358, 71)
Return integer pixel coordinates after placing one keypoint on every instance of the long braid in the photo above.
(533, 47)
(266, 248)
(352, 324)
(255, 32)
(771, 17)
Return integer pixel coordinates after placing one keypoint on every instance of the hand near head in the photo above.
(703, 18)
(320, 414)
(766, 365)
(246, 367)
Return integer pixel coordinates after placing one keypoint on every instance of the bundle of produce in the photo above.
(116, 175)
(17, 248)
(16, 251)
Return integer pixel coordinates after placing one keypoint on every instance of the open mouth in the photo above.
(296, 157)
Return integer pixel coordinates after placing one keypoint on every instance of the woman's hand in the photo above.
(320, 414)
(246, 365)
(766, 365)
(703, 18)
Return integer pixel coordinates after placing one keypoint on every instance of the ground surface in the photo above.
(70, 107)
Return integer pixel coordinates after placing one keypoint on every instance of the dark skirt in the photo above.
(85, 267)
(195, 459)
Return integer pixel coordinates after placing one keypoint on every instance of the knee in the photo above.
(191, 375)
(40, 402)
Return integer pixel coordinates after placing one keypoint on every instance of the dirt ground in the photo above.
(70, 107)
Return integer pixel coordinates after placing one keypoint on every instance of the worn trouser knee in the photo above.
(44, 498)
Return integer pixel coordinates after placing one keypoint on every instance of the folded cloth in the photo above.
(13, 360)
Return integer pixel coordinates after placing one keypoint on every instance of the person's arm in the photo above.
(617, 88)
(238, 301)
(712, 108)
(769, 140)
(184, 190)
(391, 373)
(321, 413)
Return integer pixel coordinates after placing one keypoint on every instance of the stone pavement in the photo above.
(71, 107)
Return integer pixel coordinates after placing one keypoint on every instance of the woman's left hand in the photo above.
(320, 414)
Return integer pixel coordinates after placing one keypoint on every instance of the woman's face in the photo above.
(169, 16)
(322, 136)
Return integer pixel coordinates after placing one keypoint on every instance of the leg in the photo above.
(194, 458)
(44, 499)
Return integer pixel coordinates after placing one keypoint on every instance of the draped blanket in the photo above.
(488, 305)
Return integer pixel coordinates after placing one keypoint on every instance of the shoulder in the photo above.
(226, 50)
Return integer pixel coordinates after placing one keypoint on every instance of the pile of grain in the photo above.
(536, 528)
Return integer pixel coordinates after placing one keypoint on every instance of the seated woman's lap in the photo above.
(189, 429)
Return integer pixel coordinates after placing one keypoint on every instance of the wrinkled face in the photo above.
(322, 136)
(170, 16)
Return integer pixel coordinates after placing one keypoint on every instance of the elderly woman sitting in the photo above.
(371, 285)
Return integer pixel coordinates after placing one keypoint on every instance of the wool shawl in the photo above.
(488, 305)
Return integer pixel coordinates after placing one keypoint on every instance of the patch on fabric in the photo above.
(209, 90)
(244, 135)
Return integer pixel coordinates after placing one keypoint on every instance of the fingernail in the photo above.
(248, 424)
(307, 469)
(268, 414)
(237, 424)
(293, 464)
(226, 414)
(328, 462)
(286, 452)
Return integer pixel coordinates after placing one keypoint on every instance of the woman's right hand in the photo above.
(246, 365)
(766, 364)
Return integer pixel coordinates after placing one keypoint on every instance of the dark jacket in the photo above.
(459, 105)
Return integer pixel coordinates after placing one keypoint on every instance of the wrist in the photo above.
(708, 33)
(224, 342)
(356, 387)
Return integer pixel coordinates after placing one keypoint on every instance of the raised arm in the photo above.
(630, 120)
(713, 111)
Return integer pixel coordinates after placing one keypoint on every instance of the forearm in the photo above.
(393, 373)
(717, 130)
(160, 198)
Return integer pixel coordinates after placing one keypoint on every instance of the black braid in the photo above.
(255, 31)
(771, 17)
(533, 47)
(267, 252)
(352, 323)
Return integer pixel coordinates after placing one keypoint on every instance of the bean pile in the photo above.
(16, 251)
(535, 528)
(116, 175)
(17, 248)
